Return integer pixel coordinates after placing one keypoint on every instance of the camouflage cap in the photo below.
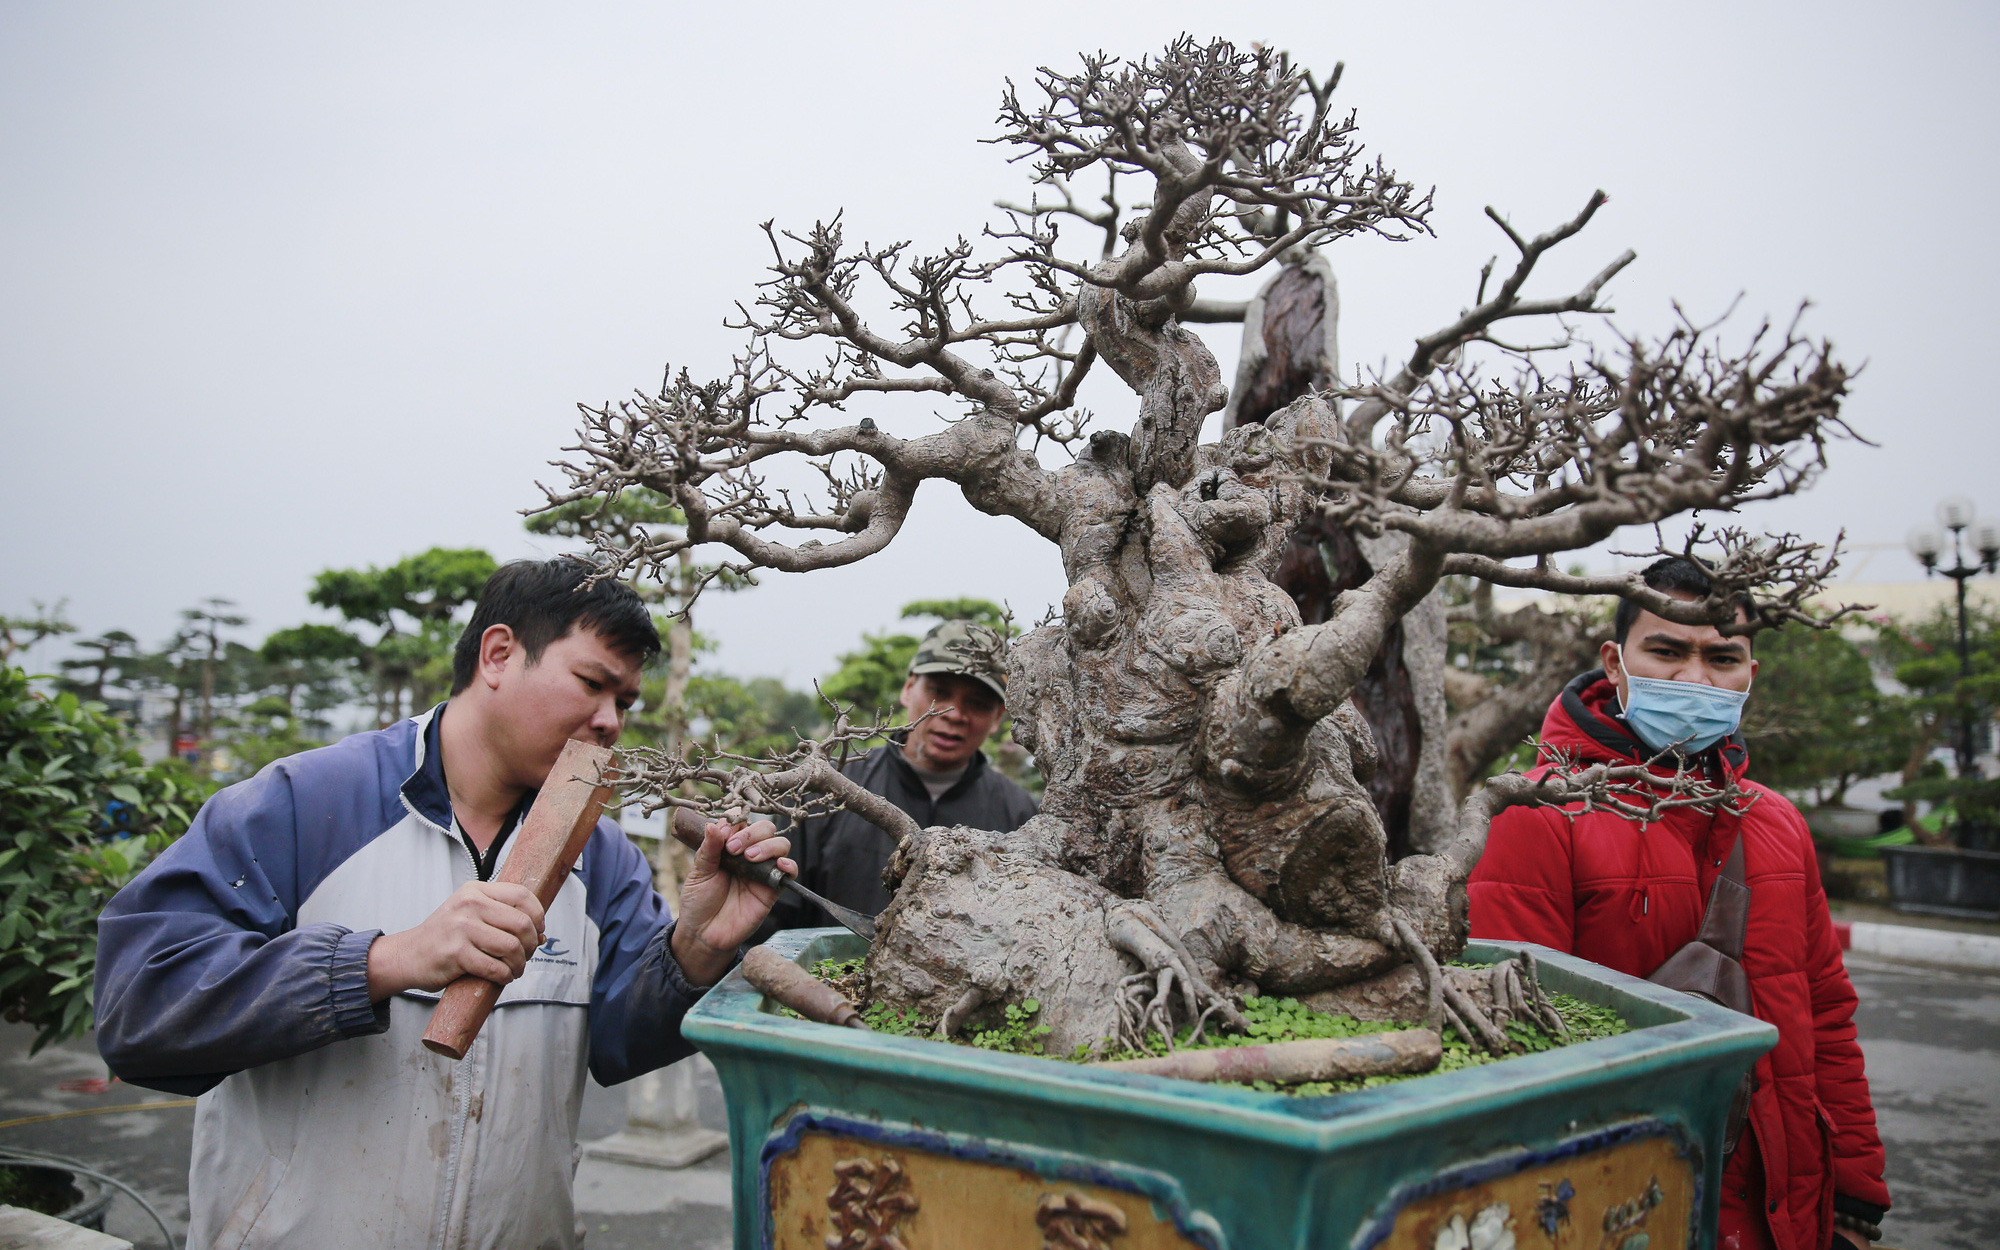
(965, 649)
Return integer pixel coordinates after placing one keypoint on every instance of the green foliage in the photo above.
(623, 516)
(1815, 720)
(18, 633)
(755, 717)
(1017, 1033)
(1925, 660)
(1269, 1019)
(836, 970)
(414, 604)
(1289, 1020)
(306, 644)
(265, 732)
(978, 611)
(428, 586)
(870, 677)
(38, 1189)
(115, 652)
(885, 1019)
(79, 815)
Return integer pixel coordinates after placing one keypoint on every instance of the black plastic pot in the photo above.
(1941, 881)
(88, 1211)
(92, 1197)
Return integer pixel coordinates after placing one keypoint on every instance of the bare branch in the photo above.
(1207, 122)
(800, 785)
(1506, 304)
(1758, 583)
(1214, 311)
(1640, 793)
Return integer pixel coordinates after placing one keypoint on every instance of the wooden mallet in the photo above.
(545, 849)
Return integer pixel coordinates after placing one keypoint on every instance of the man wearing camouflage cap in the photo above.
(955, 696)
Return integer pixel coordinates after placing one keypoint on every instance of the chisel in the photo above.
(688, 826)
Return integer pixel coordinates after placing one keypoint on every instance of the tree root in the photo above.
(1483, 1032)
(1516, 987)
(1146, 999)
(954, 1017)
(1539, 1007)
(1427, 967)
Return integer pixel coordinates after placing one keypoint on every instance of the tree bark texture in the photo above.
(1218, 835)
(1291, 348)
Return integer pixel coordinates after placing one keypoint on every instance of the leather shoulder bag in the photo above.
(1711, 967)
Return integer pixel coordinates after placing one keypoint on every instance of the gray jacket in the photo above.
(841, 856)
(236, 967)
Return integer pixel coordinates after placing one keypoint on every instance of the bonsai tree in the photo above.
(1206, 831)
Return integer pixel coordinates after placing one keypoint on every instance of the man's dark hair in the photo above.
(1674, 573)
(540, 602)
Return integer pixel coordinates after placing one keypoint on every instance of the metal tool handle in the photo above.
(688, 827)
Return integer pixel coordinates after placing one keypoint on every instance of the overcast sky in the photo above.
(295, 287)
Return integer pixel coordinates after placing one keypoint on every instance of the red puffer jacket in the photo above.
(1601, 887)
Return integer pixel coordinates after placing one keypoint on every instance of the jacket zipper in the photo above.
(461, 1082)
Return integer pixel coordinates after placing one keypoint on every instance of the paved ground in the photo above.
(621, 1207)
(1932, 1038)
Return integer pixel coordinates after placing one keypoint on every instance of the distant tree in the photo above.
(18, 633)
(114, 651)
(1816, 723)
(204, 627)
(414, 605)
(1923, 655)
(314, 668)
(1505, 667)
(265, 730)
(757, 717)
(174, 671)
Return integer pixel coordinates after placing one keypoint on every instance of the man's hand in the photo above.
(488, 929)
(719, 912)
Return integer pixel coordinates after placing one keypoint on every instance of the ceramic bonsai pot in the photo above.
(842, 1139)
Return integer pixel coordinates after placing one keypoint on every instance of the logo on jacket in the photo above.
(552, 951)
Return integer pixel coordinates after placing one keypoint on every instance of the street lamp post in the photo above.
(1955, 513)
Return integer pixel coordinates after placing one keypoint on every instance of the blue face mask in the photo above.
(1683, 715)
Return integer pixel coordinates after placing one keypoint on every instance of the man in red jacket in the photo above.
(1808, 1168)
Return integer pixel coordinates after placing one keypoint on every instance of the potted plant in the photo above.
(836, 1131)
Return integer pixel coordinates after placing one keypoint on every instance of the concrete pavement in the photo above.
(620, 1207)
(1932, 1040)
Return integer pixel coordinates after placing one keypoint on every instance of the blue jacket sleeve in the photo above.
(639, 994)
(201, 968)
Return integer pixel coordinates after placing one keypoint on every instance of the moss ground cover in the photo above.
(1270, 1020)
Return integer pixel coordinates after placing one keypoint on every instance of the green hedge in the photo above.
(80, 813)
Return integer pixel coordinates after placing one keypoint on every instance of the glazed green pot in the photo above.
(842, 1139)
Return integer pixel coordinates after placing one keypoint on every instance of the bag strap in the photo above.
(1727, 919)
